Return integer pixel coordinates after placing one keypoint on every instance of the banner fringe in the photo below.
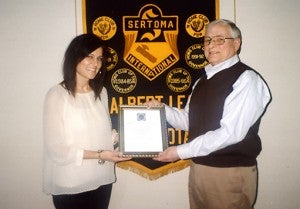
(156, 173)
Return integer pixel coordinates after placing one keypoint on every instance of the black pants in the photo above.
(96, 199)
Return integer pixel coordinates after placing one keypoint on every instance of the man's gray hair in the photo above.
(234, 30)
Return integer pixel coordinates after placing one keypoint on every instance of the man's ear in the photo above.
(237, 45)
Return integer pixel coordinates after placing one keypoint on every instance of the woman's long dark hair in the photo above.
(79, 48)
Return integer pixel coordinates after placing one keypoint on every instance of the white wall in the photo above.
(33, 37)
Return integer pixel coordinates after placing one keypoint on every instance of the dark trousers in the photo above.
(96, 199)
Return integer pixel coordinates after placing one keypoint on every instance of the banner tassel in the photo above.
(156, 173)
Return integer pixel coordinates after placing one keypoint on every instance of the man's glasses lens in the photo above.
(218, 40)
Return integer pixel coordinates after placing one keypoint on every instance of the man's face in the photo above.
(218, 51)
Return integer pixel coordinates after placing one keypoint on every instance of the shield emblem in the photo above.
(150, 41)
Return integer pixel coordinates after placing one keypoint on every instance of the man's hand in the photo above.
(169, 155)
(153, 103)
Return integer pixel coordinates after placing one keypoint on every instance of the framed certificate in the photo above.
(143, 130)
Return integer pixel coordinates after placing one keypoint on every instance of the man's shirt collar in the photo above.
(212, 70)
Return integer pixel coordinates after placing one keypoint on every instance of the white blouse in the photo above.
(72, 125)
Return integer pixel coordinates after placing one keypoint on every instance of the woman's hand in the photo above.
(113, 156)
(105, 155)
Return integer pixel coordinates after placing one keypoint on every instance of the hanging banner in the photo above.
(155, 53)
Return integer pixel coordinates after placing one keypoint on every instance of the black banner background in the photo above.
(183, 9)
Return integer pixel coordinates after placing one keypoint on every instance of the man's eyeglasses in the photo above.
(217, 40)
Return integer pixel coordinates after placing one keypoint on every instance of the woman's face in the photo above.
(88, 68)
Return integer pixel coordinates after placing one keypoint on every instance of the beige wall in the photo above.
(33, 37)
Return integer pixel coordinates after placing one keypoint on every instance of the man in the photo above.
(222, 116)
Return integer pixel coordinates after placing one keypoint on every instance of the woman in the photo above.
(78, 138)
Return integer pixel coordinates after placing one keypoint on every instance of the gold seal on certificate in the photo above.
(143, 130)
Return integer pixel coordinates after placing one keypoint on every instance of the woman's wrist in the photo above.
(101, 161)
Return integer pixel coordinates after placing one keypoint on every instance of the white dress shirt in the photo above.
(242, 107)
(72, 125)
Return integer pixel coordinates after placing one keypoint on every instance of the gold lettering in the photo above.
(177, 136)
(130, 24)
(156, 24)
(131, 100)
(164, 64)
(142, 24)
(186, 136)
(159, 98)
(114, 107)
(139, 100)
(171, 134)
(142, 99)
(179, 101)
(149, 98)
(171, 101)
(190, 19)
